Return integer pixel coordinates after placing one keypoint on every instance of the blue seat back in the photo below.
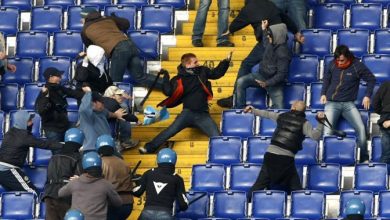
(74, 17)
(67, 43)
(37, 176)
(63, 3)
(308, 154)
(256, 97)
(9, 20)
(303, 69)
(344, 153)
(73, 116)
(100, 3)
(2, 124)
(41, 157)
(17, 205)
(31, 92)
(229, 204)
(72, 104)
(329, 16)
(376, 150)
(243, 176)
(382, 44)
(268, 204)
(9, 96)
(148, 43)
(46, 18)
(355, 39)
(379, 66)
(36, 129)
(366, 196)
(368, 16)
(267, 126)
(293, 92)
(61, 63)
(347, 3)
(371, 177)
(225, 150)
(198, 209)
(157, 17)
(346, 127)
(384, 204)
(136, 3)
(237, 123)
(324, 177)
(315, 95)
(257, 146)
(317, 41)
(307, 204)
(124, 11)
(208, 177)
(177, 4)
(32, 44)
(24, 71)
(23, 5)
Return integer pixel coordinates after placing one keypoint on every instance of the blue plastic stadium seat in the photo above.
(311, 116)
(74, 17)
(100, 3)
(371, 177)
(124, 11)
(361, 94)
(257, 146)
(157, 17)
(32, 44)
(37, 176)
(293, 92)
(23, 5)
(304, 69)
(225, 150)
(317, 41)
(208, 177)
(2, 190)
(42, 210)
(376, 150)
(243, 176)
(237, 123)
(9, 20)
(24, 71)
(324, 177)
(177, 4)
(36, 129)
(63, 3)
(339, 150)
(73, 116)
(329, 16)
(367, 16)
(136, 3)
(72, 104)
(355, 39)
(379, 66)
(328, 59)
(198, 209)
(382, 44)
(384, 204)
(2, 124)
(307, 204)
(347, 3)
(9, 97)
(315, 95)
(256, 97)
(17, 205)
(230, 204)
(267, 126)
(347, 128)
(31, 92)
(46, 18)
(366, 196)
(269, 204)
(61, 63)
(308, 154)
(41, 157)
(67, 43)
(148, 43)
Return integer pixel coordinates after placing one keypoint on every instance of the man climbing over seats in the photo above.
(163, 186)
(4, 65)
(107, 32)
(339, 91)
(273, 67)
(381, 104)
(191, 86)
(253, 13)
(13, 152)
(278, 171)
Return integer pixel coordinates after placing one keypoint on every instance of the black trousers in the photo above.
(16, 180)
(56, 208)
(278, 172)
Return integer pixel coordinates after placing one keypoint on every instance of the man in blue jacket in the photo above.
(340, 89)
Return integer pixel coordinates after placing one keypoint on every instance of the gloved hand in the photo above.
(136, 179)
(165, 73)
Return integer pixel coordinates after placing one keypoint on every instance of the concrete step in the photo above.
(212, 16)
(209, 53)
(211, 29)
(181, 147)
(211, 41)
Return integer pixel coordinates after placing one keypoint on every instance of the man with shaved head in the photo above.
(278, 171)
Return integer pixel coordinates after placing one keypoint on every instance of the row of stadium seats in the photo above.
(51, 18)
(26, 5)
(273, 205)
(21, 205)
(230, 150)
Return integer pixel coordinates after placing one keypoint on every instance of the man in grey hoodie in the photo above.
(273, 67)
(14, 150)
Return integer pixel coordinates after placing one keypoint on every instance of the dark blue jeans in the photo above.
(55, 136)
(296, 10)
(119, 213)
(385, 142)
(185, 119)
(149, 214)
(125, 56)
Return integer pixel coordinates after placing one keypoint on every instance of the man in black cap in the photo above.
(107, 32)
(51, 105)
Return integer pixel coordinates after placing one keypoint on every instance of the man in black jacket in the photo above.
(253, 13)
(62, 168)
(14, 150)
(278, 171)
(192, 88)
(51, 105)
(381, 104)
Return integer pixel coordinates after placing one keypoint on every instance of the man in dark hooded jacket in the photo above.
(14, 150)
(192, 88)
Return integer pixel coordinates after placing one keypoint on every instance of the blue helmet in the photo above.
(166, 155)
(105, 140)
(74, 135)
(91, 159)
(74, 214)
(355, 206)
